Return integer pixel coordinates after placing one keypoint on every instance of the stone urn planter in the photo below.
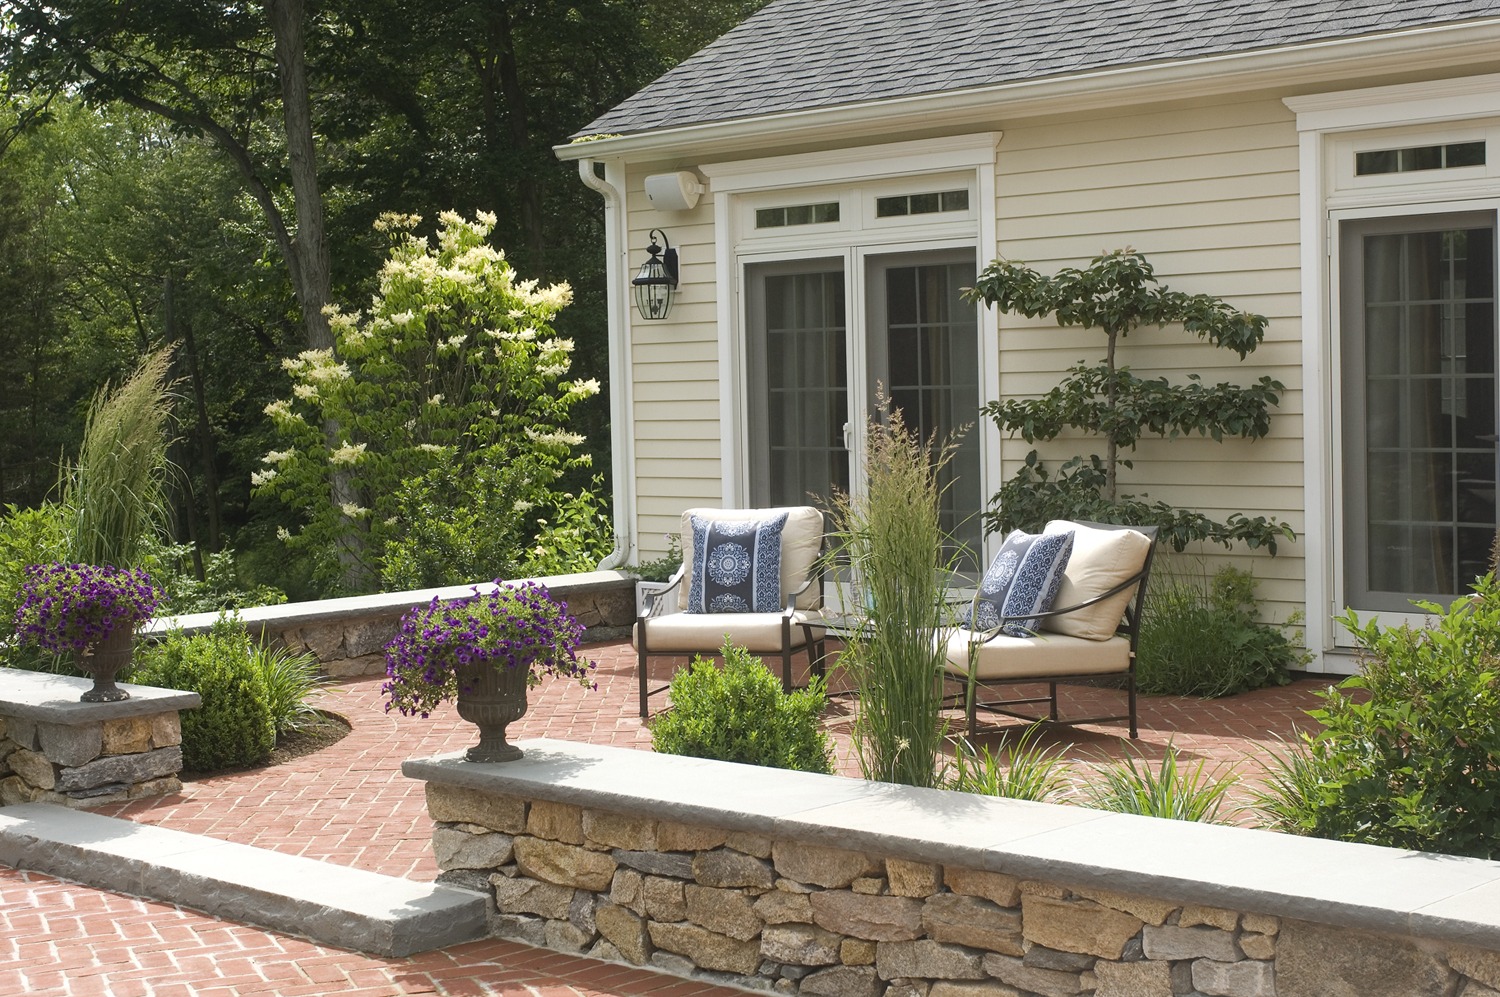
(102, 661)
(89, 611)
(483, 651)
(491, 697)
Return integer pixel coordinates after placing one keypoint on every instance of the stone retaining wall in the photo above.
(768, 907)
(348, 635)
(55, 749)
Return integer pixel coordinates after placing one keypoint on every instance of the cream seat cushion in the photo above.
(801, 543)
(1101, 559)
(1004, 657)
(702, 632)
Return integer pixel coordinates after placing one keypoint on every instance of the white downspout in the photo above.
(622, 451)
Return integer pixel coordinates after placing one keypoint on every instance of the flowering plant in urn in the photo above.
(87, 610)
(483, 651)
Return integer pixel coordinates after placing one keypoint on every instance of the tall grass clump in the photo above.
(1200, 636)
(1169, 791)
(1029, 771)
(114, 491)
(892, 541)
(290, 679)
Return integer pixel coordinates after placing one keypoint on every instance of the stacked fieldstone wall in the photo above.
(796, 917)
(91, 763)
(348, 636)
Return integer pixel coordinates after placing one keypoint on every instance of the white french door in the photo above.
(1419, 385)
(822, 334)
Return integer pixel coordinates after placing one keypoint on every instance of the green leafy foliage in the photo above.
(1028, 770)
(1168, 791)
(660, 569)
(235, 725)
(740, 713)
(1408, 752)
(1202, 637)
(174, 573)
(1117, 293)
(892, 540)
(27, 536)
(576, 536)
(451, 400)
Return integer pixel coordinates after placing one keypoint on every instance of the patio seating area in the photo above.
(349, 804)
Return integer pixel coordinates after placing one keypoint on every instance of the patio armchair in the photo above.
(1089, 635)
(750, 576)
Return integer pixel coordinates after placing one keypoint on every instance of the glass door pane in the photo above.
(924, 347)
(799, 382)
(1419, 410)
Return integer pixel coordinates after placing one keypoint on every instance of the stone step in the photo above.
(330, 904)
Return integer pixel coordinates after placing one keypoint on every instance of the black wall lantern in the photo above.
(657, 280)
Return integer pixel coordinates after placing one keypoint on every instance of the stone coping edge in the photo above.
(322, 610)
(53, 699)
(1363, 887)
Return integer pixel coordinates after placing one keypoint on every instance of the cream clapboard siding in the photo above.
(675, 369)
(1208, 192)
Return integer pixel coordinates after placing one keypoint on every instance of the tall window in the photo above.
(1419, 344)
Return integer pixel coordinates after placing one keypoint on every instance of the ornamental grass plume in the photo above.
(66, 607)
(515, 626)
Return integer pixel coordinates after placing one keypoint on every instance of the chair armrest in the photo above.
(988, 635)
(792, 596)
(654, 602)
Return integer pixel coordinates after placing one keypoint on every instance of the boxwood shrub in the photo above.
(741, 714)
(234, 726)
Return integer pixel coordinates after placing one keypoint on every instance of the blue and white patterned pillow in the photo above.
(736, 565)
(1023, 579)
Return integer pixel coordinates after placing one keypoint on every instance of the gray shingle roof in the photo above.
(803, 54)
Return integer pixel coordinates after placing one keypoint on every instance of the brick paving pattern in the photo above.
(350, 804)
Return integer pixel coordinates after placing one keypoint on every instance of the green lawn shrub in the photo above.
(290, 680)
(234, 726)
(1407, 753)
(1201, 637)
(739, 713)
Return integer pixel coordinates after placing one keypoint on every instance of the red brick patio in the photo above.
(350, 804)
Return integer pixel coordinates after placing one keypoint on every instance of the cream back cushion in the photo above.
(801, 543)
(1101, 560)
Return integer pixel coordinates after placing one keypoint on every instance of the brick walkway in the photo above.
(350, 804)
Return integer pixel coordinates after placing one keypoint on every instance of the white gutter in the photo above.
(1291, 65)
(622, 436)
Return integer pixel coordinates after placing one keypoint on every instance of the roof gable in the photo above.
(796, 55)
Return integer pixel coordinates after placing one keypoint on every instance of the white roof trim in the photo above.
(1419, 49)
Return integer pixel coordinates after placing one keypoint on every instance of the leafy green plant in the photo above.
(1202, 637)
(172, 570)
(1168, 791)
(113, 492)
(577, 536)
(740, 713)
(1028, 771)
(234, 725)
(1407, 753)
(1300, 787)
(892, 540)
(1117, 293)
(290, 680)
(451, 398)
(28, 536)
(660, 569)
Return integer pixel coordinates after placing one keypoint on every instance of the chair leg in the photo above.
(1052, 688)
(1130, 686)
(786, 668)
(640, 671)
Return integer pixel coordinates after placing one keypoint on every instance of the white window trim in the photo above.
(847, 167)
(1321, 120)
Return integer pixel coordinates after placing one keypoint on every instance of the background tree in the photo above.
(1117, 293)
(451, 397)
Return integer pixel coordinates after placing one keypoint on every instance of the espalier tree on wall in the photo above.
(1116, 293)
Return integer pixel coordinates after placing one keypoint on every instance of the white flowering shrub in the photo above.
(451, 397)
